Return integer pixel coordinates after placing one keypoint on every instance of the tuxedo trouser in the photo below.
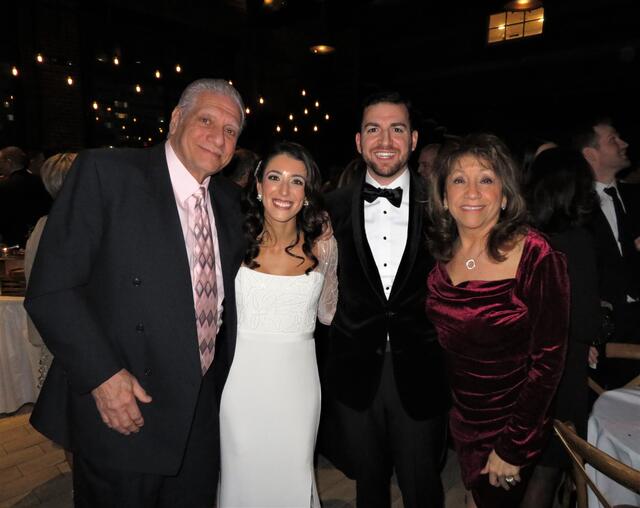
(384, 437)
(194, 486)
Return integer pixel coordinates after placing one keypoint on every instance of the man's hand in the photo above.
(501, 473)
(116, 402)
(593, 357)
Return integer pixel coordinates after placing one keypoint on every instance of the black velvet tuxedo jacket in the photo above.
(617, 275)
(364, 316)
(111, 289)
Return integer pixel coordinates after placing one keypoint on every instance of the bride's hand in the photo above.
(500, 472)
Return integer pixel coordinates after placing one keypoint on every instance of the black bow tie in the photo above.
(371, 193)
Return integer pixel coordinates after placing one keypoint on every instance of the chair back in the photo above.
(619, 350)
(582, 453)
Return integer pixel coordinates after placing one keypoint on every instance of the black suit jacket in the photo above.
(111, 289)
(617, 275)
(23, 200)
(364, 316)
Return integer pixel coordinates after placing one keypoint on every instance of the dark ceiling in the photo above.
(435, 52)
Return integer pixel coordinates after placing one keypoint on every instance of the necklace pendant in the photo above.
(470, 264)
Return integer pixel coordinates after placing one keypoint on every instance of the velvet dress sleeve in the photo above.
(546, 293)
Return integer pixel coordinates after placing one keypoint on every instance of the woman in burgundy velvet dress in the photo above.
(499, 298)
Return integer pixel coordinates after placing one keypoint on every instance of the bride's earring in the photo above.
(305, 202)
(259, 197)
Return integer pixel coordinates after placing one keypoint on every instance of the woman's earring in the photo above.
(445, 206)
(504, 206)
(305, 202)
(259, 197)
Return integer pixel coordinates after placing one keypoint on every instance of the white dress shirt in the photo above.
(606, 205)
(386, 229)
(184, 186)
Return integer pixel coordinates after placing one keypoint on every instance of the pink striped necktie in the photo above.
(204, 279)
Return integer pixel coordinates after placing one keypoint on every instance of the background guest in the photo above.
(23, 198)
(53, 172)
(499, 298)
(561, 200)
(242, 166)
(615, 227)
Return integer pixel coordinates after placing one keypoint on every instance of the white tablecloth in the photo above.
(18, 358)
(614, 427)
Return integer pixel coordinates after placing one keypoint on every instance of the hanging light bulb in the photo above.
(304, 92)
(290, 116)
(157, 74)
(116, 60)
(178, 68)
(315, 128)
(39, 58)
(69, 80)
(278, 128)
(94, 105)
(247, 110)
(326, 117)
(138, 88)
(261, 100)
(14, 71)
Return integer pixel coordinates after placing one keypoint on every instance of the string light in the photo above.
(116, 60)
(317, 104)
(261, 100)
(94, 105)
(306, 111)
(326, 117)
(278, 128)
(138, 88)
(178, 68)
(247, 110)
(295, 129)
(14, 70)
(304, 92)
(135, 120)
(231, 82)
(315, 128)
(160, 130)
(290, 116)
(69, 80)
(39, 58)
(97, 118)
(157, 74)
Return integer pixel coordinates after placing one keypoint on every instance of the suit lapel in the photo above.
(172, 255)
(361, 243)
(414, 237)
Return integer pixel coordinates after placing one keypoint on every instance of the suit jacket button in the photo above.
(148, 371)
(140, 327)
(137, 281)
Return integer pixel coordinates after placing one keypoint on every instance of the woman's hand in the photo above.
(501, 473)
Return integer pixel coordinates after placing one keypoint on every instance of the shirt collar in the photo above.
(183, 183)
(600, 187)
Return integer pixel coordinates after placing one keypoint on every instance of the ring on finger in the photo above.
(510, 479)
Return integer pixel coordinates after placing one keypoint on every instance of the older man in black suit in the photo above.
(385, 373)
(133, 292)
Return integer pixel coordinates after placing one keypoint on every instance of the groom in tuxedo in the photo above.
(384, 371)
(132, 291)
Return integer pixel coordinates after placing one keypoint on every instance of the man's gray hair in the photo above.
(220, 86)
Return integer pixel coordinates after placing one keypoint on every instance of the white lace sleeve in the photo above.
(327, 254)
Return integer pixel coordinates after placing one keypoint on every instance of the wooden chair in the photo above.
(582, 453)
(619, 350)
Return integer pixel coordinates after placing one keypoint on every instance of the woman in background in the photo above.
(561, 199)
(53, 172)
(499, 298)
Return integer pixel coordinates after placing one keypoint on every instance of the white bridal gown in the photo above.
(270, 406)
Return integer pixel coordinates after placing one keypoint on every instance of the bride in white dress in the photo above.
(270, 408)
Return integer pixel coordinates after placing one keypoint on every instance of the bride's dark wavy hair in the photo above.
(309, 220)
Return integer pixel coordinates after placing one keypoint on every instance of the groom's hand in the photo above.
(116, 402)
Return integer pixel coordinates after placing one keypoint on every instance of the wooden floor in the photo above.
(34, 472)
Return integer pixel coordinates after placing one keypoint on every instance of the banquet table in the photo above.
(614, 428)
(19, 359)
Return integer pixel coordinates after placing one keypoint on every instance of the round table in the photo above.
(614, 428)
